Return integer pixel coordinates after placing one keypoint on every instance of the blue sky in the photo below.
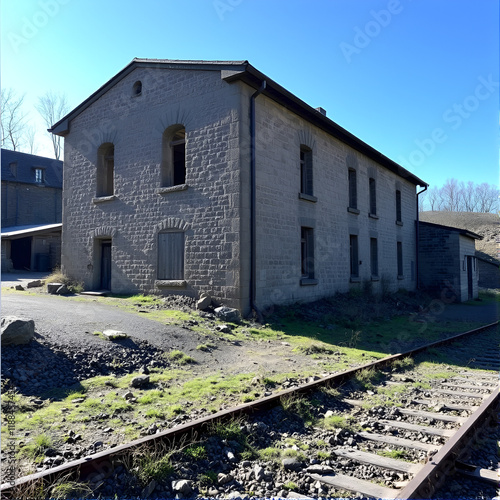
(416, 79)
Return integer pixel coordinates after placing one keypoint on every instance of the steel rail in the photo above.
(433, 474)
(101, 464)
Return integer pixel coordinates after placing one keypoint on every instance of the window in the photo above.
(354, 256)
(353, 194)
(171, 255)
(398, 206)
(105, 170)
(374, 257)
(174, 156)
(137, 89)
(306, 171)
(373, 196)
(400, 259)
(307, 253)
(39, 177)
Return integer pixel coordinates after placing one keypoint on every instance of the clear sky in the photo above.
(416, 79)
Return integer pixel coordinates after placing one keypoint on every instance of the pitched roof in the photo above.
(24, 171)
(243, 71)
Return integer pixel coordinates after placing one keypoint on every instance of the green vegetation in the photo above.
(299, 406)
(291, 486)
(208, 478)
(179, 358)
(196, 452)
(340, 422)
(149, 465)
(57, 276)
(37, 448)
(69, 490)
(396, 454)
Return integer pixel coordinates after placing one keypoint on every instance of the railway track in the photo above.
(402, 447)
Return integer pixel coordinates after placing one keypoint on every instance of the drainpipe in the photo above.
(417, 233)
(253, 251)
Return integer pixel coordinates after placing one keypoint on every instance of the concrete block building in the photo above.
(199, 176)
(31, 211)
(447, 261)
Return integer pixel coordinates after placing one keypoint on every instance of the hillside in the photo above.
(485, 225)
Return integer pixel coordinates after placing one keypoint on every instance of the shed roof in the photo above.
(25, 168)
(232, 71)
(463, 232)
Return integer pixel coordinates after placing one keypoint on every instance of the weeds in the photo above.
(365, 378)
(57, 276)
(208, 478)
(151, 465)
(65, 489)
(299, 406)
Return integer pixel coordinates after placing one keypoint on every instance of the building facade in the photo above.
(190, 177)
(447, 261)
(31, 211)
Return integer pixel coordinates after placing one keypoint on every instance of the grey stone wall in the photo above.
(281, 213)
(208, 209)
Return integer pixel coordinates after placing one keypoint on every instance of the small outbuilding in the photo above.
(447, 264)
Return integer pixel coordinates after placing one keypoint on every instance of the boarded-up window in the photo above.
(354, 256)
(306, 171)
(171, 256)
(353, 194)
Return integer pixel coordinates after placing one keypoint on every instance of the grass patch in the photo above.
(179, 358)
(70, 489)
(152, 465)
(36, 449)
(195, 452)
(396, 454)
(340, 422)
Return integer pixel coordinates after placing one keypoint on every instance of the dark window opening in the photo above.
(374, 256)
(307, 252)
(174, 157)
(398, 206)
(373, 196)
(105, 170)
(137, 88)
(353, 194)
(306, 171)
(354, 259)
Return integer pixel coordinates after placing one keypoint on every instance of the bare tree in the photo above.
(434, 198)
(13, 119)
(29, 135)
(52, 107)
(450, 196)
(487, 197)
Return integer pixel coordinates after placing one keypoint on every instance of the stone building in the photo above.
(197, 176)
(447, 261)
(31, 211)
